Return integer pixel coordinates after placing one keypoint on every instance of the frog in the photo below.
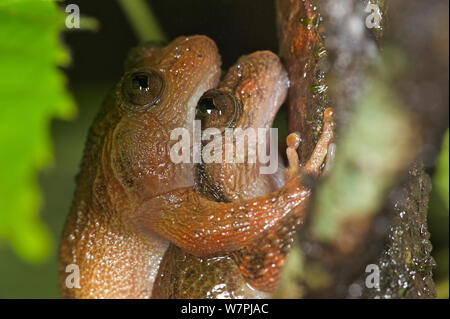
(125, 160)
(249, 96)
(132, 201)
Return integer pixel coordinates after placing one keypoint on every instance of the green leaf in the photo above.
(32, 92)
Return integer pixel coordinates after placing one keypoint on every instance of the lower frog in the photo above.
(249, 97)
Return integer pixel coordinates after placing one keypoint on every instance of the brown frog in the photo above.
(126, 160)
(131, 200)
(248, 98)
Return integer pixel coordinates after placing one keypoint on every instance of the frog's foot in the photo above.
(292, 141)
(324, 149)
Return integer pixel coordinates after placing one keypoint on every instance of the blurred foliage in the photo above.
(33, 92)
(442, 289)
(441, 273)
(371, 151)
(441, 177)
(89, 24)
(439, 219)
(144, 22)
(19, 279)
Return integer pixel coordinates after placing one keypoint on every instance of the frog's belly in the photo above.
(184, 276)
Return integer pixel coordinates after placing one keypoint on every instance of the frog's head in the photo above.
(158, 92)
(165, 83)
(248, 98)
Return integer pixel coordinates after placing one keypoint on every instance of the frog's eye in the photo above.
(143, 88)
(218, 109)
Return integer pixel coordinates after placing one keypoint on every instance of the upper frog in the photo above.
(126, 159)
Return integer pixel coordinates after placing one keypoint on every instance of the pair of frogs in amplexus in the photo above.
(142, 226)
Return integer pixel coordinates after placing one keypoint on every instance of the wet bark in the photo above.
(393, 232)
(301, 50)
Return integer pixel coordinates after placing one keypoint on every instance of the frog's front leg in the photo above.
(204, 228)
(318, 158)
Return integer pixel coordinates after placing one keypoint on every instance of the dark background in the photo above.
(237, 26)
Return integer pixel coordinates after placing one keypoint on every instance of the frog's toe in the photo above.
(292, 141)
(324, 150)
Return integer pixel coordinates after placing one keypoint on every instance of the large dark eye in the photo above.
(206, 105)
(143, 88)
(218, 109)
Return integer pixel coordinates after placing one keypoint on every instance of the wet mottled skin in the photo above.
(254, 88)
(132, 201)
